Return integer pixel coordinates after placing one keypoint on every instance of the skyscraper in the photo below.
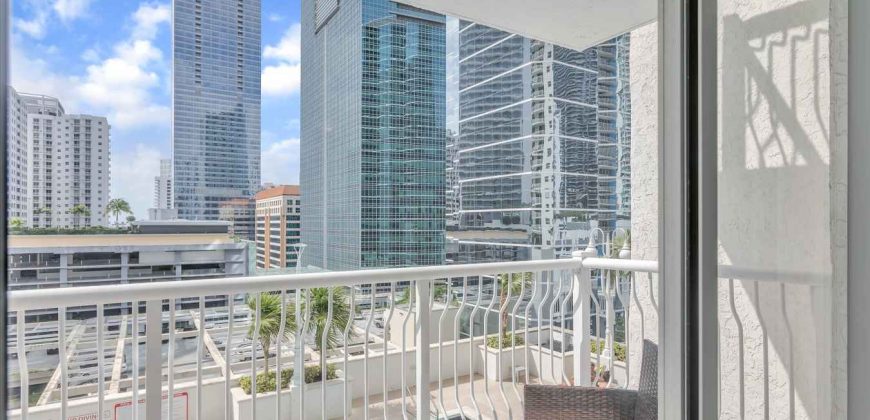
(540, 154)
(163, 186)
(56, 162)
(16, 157)
(216, 104)
(373, 134)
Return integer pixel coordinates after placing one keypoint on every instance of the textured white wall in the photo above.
(643, 320)
(782, 149)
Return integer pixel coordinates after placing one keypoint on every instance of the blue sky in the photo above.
(113, 58)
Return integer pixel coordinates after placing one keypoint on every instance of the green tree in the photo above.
(269, 317)
(16, 223)
(131, 219)
(319, 314)
(515, 283)
(117, 206)
(439, 290)
(78, 211)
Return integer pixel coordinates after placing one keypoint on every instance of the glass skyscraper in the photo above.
(215, 104)
(539, 151)
(373, 134)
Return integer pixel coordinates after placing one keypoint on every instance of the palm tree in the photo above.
(319, 313)
(16, 223)
(78, 211)
(117, 206)
(270, 322)
(515, 283)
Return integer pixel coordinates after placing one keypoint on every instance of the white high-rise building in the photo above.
(163, 186)
(67, 164)
(16, 157)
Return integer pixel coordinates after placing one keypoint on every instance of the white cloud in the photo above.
(282, 79)
(119, 86)
(274, 17)
(133, 175)
(34, 27)
(148, 19)
(279, 162)
(68, 10)
(283, 76)
(289, 48)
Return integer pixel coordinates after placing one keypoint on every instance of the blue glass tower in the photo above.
(540, 144)
(373, 134)
(215, 104)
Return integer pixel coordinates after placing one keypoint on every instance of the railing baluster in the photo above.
(548, 284)
(562, 309)
(489, 309)
(527, 348)
(347, 330)
(278, 348)
(306, 318)
(324, 348)
(366, 352)
(501, 326)
(134, 373)
(153, 358)
(62, 351)
(456, 345)
(23, 373)
(599, 344)
(513, 316)
(170, 361)
(101, 355)
(609, 319)
(200, 353)
(582, 290)
(421, 332)
(299, 353)
(625, 301)
(411, 297)
(441, 345)
(386, 341)
(553, 302)
(471, 345)
(255, 337)
(228, 346)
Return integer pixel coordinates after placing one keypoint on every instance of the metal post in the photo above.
(582, 292)
(153, 359)
(422, 348)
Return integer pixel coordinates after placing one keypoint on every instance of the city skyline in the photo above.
(99, 68)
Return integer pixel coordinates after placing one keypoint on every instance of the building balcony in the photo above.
(84, 362)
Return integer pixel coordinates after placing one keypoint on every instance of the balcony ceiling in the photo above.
(576, 24)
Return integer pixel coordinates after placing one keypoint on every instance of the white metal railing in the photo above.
(477, 311)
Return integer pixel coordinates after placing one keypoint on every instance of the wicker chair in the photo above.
(555, 402)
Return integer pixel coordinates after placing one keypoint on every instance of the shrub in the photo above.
(90, 230)
(312, 373)
(509, 340)
(266, 383)
(618, 348)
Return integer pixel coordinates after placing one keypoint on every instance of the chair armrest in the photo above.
(556, 402)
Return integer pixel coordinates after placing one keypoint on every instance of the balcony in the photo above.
(84, 362)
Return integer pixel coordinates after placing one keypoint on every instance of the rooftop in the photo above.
(278, 191)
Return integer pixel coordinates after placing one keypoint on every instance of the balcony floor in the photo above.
(394, 400)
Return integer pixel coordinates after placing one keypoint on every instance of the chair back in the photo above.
(647, 406)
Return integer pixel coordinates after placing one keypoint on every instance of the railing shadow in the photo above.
(774, 212)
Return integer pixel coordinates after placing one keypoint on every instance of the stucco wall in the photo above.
(643, 319)
(782, 149)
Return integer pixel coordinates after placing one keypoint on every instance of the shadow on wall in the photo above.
(774, 210)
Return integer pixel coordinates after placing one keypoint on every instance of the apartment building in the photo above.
(279, 231)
